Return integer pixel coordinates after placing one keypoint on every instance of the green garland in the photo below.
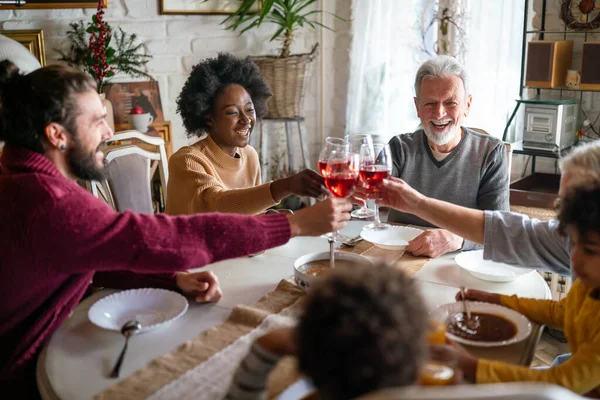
(101, 60)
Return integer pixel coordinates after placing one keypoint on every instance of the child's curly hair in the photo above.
(363, 329)
(580, 208)
(209, 78)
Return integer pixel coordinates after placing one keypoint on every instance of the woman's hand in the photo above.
(202, 286)
(305, 183)
(479, 295)
(326, 216)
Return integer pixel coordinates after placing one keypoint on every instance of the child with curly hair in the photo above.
(362, 329)
(578, 314)
(221, 100)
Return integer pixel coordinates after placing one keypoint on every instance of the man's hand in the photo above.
(279, 341)
(326, 216)
(434, 242)
(479, 295)
(399, 195)
(202, 286)
(304, 183)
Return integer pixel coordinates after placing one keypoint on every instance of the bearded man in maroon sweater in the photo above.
(55, 237)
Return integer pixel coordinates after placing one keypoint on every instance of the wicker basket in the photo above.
(287, 78)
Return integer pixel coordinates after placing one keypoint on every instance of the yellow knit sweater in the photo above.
(203, 178)
(578, 315)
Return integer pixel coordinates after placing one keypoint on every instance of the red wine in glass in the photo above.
(341, 185)
(322, 167)
(373, 175)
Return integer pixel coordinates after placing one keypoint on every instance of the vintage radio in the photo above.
(590, 66)
(550, 127)
(548, 62)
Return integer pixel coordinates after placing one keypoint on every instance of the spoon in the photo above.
(129, 328)
(470, 323)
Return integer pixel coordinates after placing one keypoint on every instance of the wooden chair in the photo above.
(132, 159)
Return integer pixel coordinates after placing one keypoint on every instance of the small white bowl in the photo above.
(305, 281)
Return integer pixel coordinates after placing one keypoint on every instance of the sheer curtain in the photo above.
(385, 55)
(494, 30)
(387, 49)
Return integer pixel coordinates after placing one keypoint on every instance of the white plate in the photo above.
(152, 308)
(473, 262)
(393, 238)
(445, 311)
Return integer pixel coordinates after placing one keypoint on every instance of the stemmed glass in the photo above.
(331, 144)
(341, 178)
(375, 166)
(355, 142)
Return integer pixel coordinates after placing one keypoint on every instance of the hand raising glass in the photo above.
(355, 143)
(375, 166)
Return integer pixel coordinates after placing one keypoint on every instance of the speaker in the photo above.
(590, 66)
(548, 62)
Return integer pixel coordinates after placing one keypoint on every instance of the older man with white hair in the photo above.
(446, 161)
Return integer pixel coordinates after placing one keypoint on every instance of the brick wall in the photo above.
(178, 42)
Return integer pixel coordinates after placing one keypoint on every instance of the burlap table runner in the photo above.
(243, 319)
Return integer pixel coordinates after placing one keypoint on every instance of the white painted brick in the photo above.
(164, 64)
(146, 30)
(209, 45)
(195, 26)
(163, 88)
(179, 42)
(57, 14)
(6, 15)
(51, 28)
(169, 46)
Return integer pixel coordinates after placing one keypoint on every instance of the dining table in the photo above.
(77, 360)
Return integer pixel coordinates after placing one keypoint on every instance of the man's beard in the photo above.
(84, 164)
(443, 138)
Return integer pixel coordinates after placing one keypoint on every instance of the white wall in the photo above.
(177, 42)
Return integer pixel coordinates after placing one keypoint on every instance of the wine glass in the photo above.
(355, 142)
(375, 166)
(331, 143)
(341, 178)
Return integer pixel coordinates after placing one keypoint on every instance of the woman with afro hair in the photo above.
(221, 173)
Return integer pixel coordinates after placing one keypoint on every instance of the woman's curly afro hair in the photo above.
(209, 78)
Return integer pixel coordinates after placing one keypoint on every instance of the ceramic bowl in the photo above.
(305, 281)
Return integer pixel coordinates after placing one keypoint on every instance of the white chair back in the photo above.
(132, 159)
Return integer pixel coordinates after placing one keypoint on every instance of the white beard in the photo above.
(440, 139)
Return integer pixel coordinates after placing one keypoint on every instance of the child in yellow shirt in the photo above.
(578, 314)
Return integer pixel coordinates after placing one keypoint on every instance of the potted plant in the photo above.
(103, 52)
(286, 73)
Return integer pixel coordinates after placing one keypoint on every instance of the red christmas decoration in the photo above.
(100, 35)
(137, 110)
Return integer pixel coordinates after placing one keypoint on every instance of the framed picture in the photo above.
(202, 6)
(126, 95)
(47, 4)
(32, 39)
